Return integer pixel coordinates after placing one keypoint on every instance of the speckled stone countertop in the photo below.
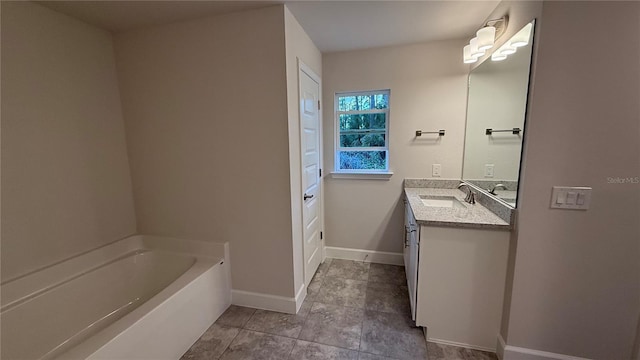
(475, 216)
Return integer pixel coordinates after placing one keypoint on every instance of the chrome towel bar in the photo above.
(420, 132)
(514, 131)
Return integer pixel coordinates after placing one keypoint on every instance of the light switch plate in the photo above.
(571, 197)
(436, 170)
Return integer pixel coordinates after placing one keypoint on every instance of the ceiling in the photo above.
(332, 25)
(116, 15)
(348, 25)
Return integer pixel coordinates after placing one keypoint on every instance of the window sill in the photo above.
(362, 175)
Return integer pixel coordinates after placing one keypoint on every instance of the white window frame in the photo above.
(361, 173)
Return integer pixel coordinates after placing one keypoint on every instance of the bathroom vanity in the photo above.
(456, 263)
(456, 253)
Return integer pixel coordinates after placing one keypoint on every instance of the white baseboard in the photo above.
(379, 257)
(463, 345)
(266, 301)
(508, 352)
(500, 349)
(300, 296)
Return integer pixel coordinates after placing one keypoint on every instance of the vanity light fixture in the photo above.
(521, 38)
(484, 40)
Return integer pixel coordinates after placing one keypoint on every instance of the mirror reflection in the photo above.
(495, 118)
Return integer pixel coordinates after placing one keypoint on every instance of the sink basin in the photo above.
(441, 201)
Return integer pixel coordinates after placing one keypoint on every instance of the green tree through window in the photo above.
(362, 122)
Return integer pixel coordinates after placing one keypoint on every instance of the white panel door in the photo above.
(310, 148)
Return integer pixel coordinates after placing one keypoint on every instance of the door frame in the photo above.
(302, 67)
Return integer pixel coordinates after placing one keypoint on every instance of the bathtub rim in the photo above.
(152, 307)
(211, 262)
(54, 264)
(27, 286)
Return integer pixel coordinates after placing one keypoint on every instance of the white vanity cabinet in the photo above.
(461, 281)
(459, 275)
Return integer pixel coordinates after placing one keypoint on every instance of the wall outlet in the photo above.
(488, 170)
(436, 170)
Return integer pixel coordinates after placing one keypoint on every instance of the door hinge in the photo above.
(318, 104)
(320, 172)
(320, 235)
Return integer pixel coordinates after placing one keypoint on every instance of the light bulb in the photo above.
(486, 37)
(466, 55)
(475, 52)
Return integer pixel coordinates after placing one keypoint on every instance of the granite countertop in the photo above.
(475, 216)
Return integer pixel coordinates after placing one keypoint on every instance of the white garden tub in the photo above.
(142, 297)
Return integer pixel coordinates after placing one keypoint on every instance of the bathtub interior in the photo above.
(48, 312)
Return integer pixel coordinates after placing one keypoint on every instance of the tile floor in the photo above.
(353, 310)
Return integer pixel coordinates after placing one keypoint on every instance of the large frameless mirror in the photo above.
(496, 108)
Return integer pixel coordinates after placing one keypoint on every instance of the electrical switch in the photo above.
(571, 197)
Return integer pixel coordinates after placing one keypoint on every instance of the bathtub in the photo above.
(143, 297)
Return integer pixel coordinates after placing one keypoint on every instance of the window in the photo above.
(362, 132)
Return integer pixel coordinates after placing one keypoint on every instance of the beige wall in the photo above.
(298, 47)
(520, 13)
(428, 92)
(635, 355)
(206, 118)
(66, 186)
(576, 285)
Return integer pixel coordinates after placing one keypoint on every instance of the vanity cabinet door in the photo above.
(411, 251)
(461, 281)
(405, 237)
(412, 274)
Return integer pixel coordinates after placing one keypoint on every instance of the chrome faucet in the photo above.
(471, 196)
(492, 191)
